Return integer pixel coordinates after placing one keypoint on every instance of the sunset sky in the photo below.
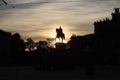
(38, 19)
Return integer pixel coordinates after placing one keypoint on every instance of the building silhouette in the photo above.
(107, 32)
(107, 26)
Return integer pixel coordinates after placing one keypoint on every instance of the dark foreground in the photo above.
(30, 73)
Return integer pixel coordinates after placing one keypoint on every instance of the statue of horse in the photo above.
(60, 35)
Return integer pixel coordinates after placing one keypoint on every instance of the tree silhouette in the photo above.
(30, 44)
(18, 43)
(42, 44)
(51, 42)
(5, 47)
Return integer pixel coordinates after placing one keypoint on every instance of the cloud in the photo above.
(39, 17)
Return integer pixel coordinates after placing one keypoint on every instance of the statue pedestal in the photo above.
(60, 46)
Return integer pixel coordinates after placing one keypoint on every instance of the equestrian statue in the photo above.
(60, 35)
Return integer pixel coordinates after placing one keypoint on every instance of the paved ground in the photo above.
(29, 73)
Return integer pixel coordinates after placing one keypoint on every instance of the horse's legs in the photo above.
(55, 39)
(61, 40)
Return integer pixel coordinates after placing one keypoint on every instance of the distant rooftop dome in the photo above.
(117, 10)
